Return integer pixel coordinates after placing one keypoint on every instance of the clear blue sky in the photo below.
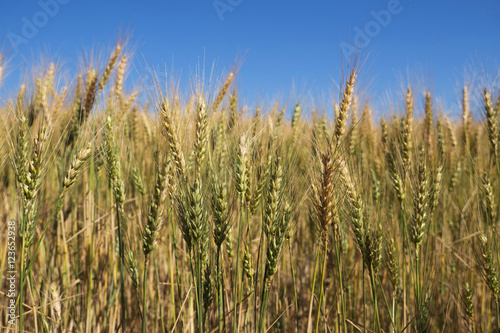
(285, 43)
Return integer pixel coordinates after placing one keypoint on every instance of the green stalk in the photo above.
(364, 301)
(89, 292)
(220, 293)
(112, 293)
(417, 278)
(175, 255)
(122, 269)
(160, 303)
(236, 292)
(199, 290)
(92, 254)
(498, 314)
(77, 266)
(144, 294)
(394, 314)
(374, 295)
(199, 272)
(341, 286)
(391, 316)
(312, 288)
(323, 269)
(172, 295)
(260, 254)
(21, 294)
(294, 286)
(405, 246)
(263, 305)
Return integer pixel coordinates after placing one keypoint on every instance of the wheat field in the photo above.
(197, 212)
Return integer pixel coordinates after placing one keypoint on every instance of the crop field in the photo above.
(150, 209)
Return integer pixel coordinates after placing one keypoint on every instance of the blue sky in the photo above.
(285, 44)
